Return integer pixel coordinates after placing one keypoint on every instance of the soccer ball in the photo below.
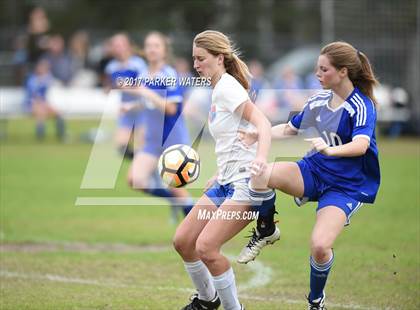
(179, 165)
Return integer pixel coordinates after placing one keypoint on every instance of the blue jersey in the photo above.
(132, 68)
(358, 176)
(160, 126)
(37, 87)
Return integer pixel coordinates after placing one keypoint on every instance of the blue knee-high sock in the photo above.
(319, 275)
(161, 192)
(156, 189)
(40, 130)
(60, 127)
(264, 203)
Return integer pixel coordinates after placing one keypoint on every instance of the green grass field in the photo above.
(55, 255)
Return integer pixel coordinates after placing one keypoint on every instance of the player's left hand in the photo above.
(319, 145)
(258, 166)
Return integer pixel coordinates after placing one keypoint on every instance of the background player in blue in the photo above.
(36, 102)
(163, 121)
(125, 65)
(342, 172)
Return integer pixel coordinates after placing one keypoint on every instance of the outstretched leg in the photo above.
(284, 176)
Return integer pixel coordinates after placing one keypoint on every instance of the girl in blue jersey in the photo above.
(163, 121)
(123, 67)
(342, 171)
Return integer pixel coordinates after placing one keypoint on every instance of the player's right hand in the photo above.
(247, 138)
(258, 166)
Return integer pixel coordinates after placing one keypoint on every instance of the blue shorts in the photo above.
(131, 119)
(326, 195)
(237, 191)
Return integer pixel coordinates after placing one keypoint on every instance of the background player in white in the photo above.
(199, 241)
(342, 172)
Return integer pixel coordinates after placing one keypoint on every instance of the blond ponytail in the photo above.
(238, 69)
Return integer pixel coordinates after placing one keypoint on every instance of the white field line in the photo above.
(261, 275)
(107, 283)
(81, 247)
(58, 278)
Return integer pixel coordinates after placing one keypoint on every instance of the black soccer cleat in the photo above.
(198, 304)
(317, 304)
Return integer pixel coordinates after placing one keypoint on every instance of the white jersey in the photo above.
(225, 118)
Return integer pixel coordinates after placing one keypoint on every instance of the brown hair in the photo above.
(344, 55)
(217, 43)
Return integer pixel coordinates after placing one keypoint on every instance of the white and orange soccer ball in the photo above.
(179, 165)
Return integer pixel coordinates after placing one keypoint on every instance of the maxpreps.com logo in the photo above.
(212, 113)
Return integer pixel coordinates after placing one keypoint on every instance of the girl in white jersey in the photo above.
(198, 241)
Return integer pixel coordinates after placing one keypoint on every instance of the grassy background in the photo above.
(55, 255)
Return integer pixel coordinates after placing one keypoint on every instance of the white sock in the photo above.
(226, 289)
(201, 278)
